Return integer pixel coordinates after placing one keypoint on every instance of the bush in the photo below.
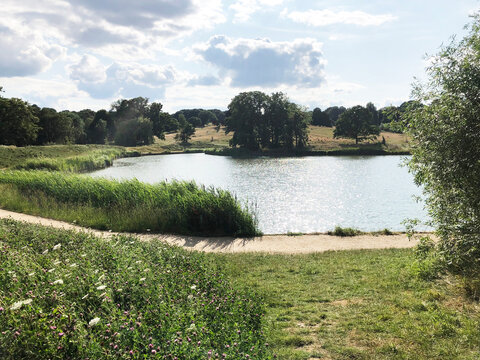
(339, 231)
(446, 148)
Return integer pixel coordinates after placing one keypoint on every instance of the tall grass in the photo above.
(176, 207)
(68, 295)
(95, 159)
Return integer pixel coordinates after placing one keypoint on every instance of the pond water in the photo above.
(309, 194)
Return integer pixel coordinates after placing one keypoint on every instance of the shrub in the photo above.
(339, 231)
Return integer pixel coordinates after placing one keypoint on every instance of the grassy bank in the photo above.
(66, 295)
(358, 305)
(321, 142)
(177, 207)
(72, 158)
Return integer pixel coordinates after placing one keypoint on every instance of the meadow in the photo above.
(68, 295)
(132, 206)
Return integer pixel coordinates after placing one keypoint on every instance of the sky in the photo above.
(78, 54)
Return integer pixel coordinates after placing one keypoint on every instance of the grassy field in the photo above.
(321, 139)
(67, 295)
(175, 207)
(73, 158)
(358, 305)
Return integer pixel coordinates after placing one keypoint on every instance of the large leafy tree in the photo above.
(356, 123)
(446, 149)
(18, 122)
(320, 118)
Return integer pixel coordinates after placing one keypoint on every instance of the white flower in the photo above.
(31, 274)
(19, 304)
(56, 263)
(51, 270)
(138, 261)
(143, 279)
(193, 287)
(83, 298)
(59, 281)
(83, 255)
(146, 270)
(58, 246)
(94, 321)
(102, 294)
(101, 277)
(73, 265)
(45, 252)
(119, 290)
(101, 287)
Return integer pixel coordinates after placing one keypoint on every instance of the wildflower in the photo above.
(45, 252)
(73, 265)
(102, 294)
(142, 279)
(119, 290)
(58, 246)
(146, 270)
(59, 281)
(193, 287)
(83, 298)
(83, 255)
(51, 270)
(101, 287)
(94, 321)
(1, 308)
(31, 274)
(19, 304)
(61, 334)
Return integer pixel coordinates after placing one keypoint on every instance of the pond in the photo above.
(307, 194)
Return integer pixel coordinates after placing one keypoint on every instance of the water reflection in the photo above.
(296, 194)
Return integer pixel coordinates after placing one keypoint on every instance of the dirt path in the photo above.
(282, 244)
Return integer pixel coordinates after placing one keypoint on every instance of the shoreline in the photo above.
(272, 244)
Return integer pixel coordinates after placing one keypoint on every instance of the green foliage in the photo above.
(260, 121)
(339, 231)
(356, 123)
(134, 132)
(186, 133)
(177, 207)
(446, 150)
(68, 295)
(320, 118)
(18, 123)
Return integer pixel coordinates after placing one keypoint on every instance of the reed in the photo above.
(132, 206)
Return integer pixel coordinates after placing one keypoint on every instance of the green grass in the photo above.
(358, 305)
(176, 207)
(72, 158)
(66, 295)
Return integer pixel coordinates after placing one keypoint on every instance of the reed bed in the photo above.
(69, 295)
(132, 206)
(93, 160)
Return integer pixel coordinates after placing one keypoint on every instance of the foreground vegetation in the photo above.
(66, 295)
(176, 207)
(373, 304)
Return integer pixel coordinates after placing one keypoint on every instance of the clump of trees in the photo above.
(446, 152)
(258, 120)
(356, 123)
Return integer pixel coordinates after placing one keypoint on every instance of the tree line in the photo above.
(129, 122)
(257, 120)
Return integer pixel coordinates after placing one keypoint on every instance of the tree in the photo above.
(246, 119)
(134, 132)
(356, 123)
(157, 117)
(320, 118)
(18, 123)
(97, 130)
(207, 117)
(334, 113)
(373, 110)
(186, 133)
(55, 128)
(446, 150)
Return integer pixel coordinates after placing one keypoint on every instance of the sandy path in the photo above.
(281, 244)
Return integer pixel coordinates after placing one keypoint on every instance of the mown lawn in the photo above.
(358, 305)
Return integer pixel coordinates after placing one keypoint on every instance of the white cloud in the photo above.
(261, 62)
(122, 80)
(328, 17)
(25, 54)
(243, 9)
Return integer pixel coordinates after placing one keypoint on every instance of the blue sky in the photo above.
(71, 54)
